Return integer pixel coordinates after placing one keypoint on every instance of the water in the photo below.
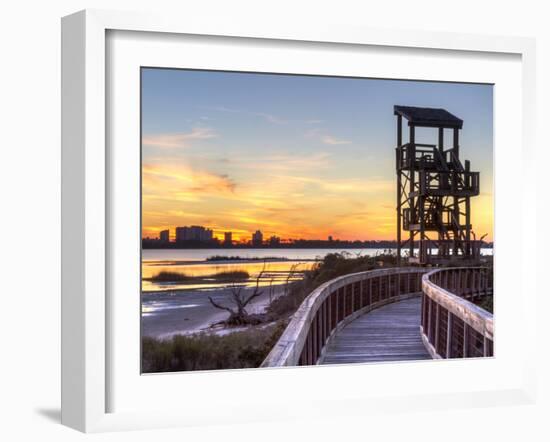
(293, 254)
(192, 262)
(169, 309)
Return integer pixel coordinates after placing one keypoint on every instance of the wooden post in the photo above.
(456, 147)
(456, 205)
(370, 291)
(449, 335)
(436, 328)
(465, 339)
(398, 285)
(422, 307)
(324, 325)
(399, 166)
(430, 307)
(330, 313)
(440, 145)
(467, 248)
(337, 308)
(314, 339)
(412, 150)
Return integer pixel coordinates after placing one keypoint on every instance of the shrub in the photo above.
(332, 266)
(166, 276)
(206, 351)
(230, 275)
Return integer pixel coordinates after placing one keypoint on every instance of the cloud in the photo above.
(285, 162)
(325, 138)
(175, 140)
(344, 185)
(328, 139)
(179, 182)
(270, 118)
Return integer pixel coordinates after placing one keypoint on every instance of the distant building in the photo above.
(257, 238)
(227, 239)
(330, 238)
(164, 236)
(274, 241)
(181, 234)
(194, 233)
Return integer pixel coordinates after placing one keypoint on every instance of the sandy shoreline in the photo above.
(166, 314)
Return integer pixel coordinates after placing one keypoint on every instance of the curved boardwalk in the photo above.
(388, 333)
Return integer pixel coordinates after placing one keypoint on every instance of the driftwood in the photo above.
(238, 314)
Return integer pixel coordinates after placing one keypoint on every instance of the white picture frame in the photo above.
(86, 352)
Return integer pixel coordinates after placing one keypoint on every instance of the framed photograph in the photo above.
(260, 220)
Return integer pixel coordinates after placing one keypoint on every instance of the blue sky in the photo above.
(320, 144)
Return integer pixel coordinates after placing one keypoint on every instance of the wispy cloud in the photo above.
(270, 118)
(285, 162)
(344, 185)
(328, 139)
(178, 140)
(182, 183)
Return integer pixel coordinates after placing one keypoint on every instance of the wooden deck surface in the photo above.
(389, 333)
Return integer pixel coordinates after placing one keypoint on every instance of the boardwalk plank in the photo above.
(389, 333)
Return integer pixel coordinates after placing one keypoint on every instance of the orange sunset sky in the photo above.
(293, 156)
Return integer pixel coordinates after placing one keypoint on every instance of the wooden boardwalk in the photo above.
(389, 333)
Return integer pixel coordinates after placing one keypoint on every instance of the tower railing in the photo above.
(447, 183)
(334, 304)
(452, 326)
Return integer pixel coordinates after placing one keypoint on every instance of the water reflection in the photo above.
(274, 273)
(193, 263)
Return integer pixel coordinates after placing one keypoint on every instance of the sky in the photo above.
(291, 155)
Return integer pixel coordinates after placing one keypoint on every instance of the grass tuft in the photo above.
(241, 349)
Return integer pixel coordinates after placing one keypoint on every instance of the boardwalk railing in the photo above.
(451, 325)
(334, 304)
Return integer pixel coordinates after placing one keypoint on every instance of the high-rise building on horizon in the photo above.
(164, 236)
(227, 238)
(257, 238)
(194, 233)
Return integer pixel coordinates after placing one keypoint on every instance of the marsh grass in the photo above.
(227, 276)
(166, 276)
(244, 258)
(230, 275)
(332, 266)
(206, 351)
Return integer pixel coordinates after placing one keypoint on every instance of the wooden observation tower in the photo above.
(433, 190)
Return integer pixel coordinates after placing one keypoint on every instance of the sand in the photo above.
(189, 311)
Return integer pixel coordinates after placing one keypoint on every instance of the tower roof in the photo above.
(428, 117)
